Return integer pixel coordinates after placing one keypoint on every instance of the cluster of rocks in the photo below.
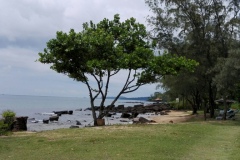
(59, 113)
(155, 107)
(56, 116)
(127, 114)
(132, 112)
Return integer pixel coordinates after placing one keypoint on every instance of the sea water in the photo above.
(37, 108)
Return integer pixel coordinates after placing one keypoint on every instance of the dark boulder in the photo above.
(125, 115)
(70, 112)
(45, 121)
(59, 113)
(134, 115)
(20, 124)
(53, 118)
(78, 123)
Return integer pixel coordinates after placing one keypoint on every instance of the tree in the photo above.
(102, 50)
(202, 30)
(228, 77)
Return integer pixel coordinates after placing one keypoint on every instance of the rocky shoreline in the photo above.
(80, 118)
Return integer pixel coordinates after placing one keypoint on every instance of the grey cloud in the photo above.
(26, 26)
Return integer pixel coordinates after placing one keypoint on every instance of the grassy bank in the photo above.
(195, 140)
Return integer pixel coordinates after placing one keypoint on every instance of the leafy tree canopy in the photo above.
(101, 50)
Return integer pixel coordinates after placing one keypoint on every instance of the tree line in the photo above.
(206, 31)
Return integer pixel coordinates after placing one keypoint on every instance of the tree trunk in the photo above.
(211, 101)
(194, 111)
(93, 113)
(205, 110)
(225, 107)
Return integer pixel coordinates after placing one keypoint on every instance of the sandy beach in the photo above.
(173, 117)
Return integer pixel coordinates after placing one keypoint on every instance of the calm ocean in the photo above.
(29, 105)
(35, 106)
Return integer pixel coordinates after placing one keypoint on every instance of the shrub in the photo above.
(3, 127)
(235, 106)
(8, 120)
(8, 113)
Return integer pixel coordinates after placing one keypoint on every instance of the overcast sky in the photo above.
(26, 26)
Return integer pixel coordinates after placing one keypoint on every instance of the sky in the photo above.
(26, 26)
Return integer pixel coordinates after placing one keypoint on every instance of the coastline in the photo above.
(66, 121)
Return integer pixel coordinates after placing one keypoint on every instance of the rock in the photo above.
(163, 113)
(74, 126)
(140, 120)
(20, 124)
(134, 115)
(122, 120)
(45, 121)
(60, 112)
(125, 115)
(78, 123)
(53, 118)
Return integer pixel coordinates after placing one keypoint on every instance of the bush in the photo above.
(7, 122)
(8, 113)
(3, 127)
(235, 106)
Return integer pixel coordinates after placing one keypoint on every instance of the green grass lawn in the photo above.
(218, 140)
